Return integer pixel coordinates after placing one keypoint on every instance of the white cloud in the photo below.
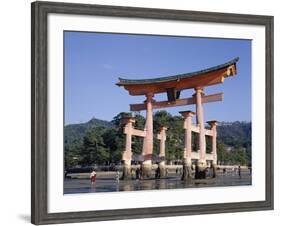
(106, 66)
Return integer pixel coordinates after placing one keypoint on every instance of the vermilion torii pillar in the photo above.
(213, 125)
(187, 172)
(147, 148)
(162, 137)
(201, 164)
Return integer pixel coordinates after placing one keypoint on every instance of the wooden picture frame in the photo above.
(39, 192)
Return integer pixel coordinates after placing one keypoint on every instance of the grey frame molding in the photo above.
(39, 106)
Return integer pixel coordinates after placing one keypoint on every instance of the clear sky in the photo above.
(94, 61)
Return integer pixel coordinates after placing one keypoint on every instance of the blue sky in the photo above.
(94, 61)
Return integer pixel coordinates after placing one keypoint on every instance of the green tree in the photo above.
(113, 142)
(221, 152)
(72, 152)
(118, 118)
(94, 149)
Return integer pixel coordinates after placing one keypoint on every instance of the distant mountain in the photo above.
(231, 133)
(75, 132)
(235, 133)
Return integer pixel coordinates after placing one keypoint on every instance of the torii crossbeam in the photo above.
(177, 102)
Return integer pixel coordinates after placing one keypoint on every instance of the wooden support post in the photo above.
(213, 125)
(187, 172)
(147, 148)
(127, 154)
(201, 164)
(162, 137)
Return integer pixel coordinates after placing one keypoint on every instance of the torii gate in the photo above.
(173, 85)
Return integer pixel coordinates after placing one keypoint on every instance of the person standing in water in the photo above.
(117, 176)
(138, 173)
(239, 171)
(93, 176)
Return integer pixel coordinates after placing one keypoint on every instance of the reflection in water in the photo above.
(93, 187)
(127, 187)
(160, 184)
(117, 186)
(148, 185)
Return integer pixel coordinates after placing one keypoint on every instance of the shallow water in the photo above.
(108, 184)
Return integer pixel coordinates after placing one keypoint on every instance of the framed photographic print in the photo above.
(140, 112)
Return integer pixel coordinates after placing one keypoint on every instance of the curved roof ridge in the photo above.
(123, 81)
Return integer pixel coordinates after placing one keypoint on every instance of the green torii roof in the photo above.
(123, 81)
